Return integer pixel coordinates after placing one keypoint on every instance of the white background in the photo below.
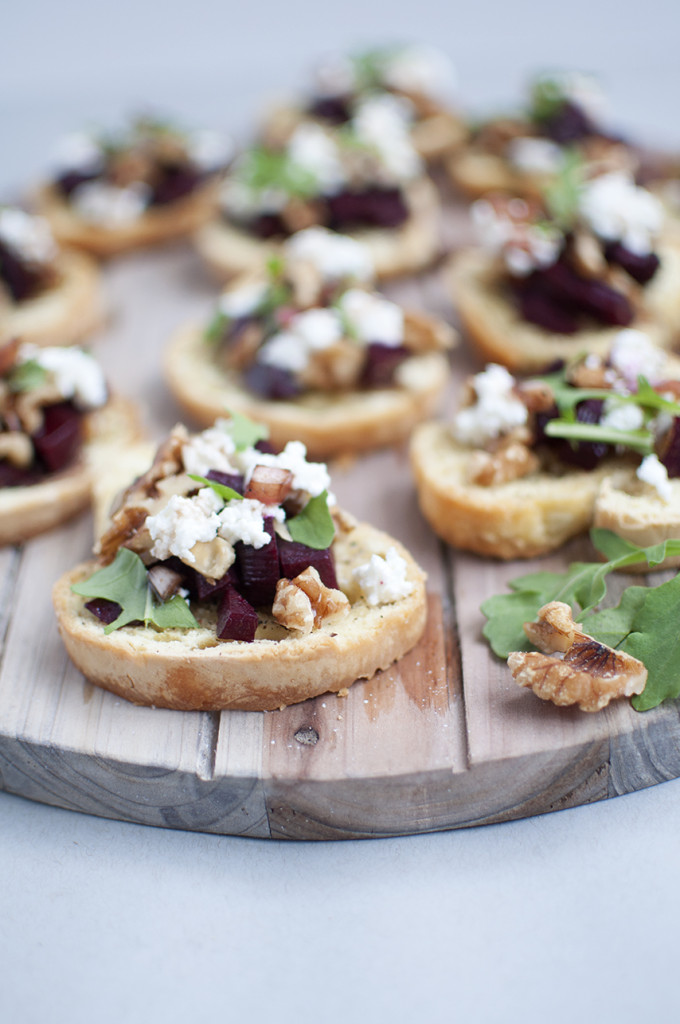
(568, 917)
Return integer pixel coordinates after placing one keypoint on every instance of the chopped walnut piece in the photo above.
(423, 334)
(589, 673)
(167, 462)
(590, 373)
(125, 525)
(130, 166)
(212, 558)
(299, 214)
(240, 352)
(536, 395)
(338, 366)
(29, 405)
(306, 281)
(16, 447)
(587, 256)
(303, 603)
(511, 462)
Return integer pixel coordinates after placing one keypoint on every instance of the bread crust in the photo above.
(190, 670)
(227, 250)
(634, 511)
(476, 173)
(27, 511)
(327, 423)
(497, 332)
(65, 313)
(524, 518)
(155, 225)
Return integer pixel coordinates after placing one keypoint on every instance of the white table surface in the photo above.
(572, 916)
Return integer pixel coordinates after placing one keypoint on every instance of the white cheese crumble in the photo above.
(29, 236)
(633, 353)
(211, 449)
(208, 149)
(334, 77)
(243, 299)
(583, 90)
(312, 477)
(284, 350)
(383, 580)
(420, 69)
(76, 374)
(617, 209)
(335, 256)
(310, 331)
(497, 410)
(184, 522)
(244, 521)
(382, 123)
(621, 415)
(311, 149)
(653, 472)
(77, 151)
(524, 247)
(535, 156)
(372, 318)
(103, 203)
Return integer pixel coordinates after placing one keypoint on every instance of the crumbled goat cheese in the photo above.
(424, 70)
(284, 350)
(372, 318)
(208, 150)
(633, 353)
(312, 477)
(621, 415)
(335, 77)
(383, 580)
(242, 300)
(335, 256)
(76, 374)
(317, 328)
(497, 410)
(616, 209)
(653, 472)
(102, 203)
(244, 521)
(535, 156)
(77, 152)
(524, 247)
(184, 522)
(584, 91)
(29, 236)
(211, 449)
(311, 149)
(382, 123)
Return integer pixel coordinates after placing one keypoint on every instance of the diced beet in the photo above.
(568, 124)
(335, 109)
(542, 309)
(106, 611)
(23, 279)
(584, 454)
(175, 182)
(381, 362)
(19, 476)
(69, 182)
(265, 446)
(268, 225)
(236, 618)
(271, 381)
(206, 590)
(586, 296)
(294, 558)
(58, 440)
(376, 207)
(233, 480)
(669, 453)
(641, 268)
(258, 569)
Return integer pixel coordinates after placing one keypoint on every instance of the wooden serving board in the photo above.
(444, 739)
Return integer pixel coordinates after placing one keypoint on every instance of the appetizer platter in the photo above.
(220, 608)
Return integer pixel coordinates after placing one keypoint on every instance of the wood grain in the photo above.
(442, 740)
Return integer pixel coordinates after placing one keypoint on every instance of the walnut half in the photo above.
(583, 672)
(303, 603)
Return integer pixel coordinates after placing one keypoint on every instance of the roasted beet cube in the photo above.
(381, 362)
(583, 295)
(543, 309)
(568, 124)
(294, 558)
(19, 476)
(106, 611)
(22, 278)
(335, 109)
(268, 225)
(641, 268)
(233, 480)
(584, 454)
(175, 182)
(383, 208)
(205, 590)
(271, 381)
(58, 440)
(258, 569)
(236, 619)
(669, 453)
(69, 182)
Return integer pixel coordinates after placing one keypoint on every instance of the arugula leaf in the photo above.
(244, 432)
(125, 581)
(546, 98)
(611, 626)
(314, 525)
(227, 493)
(654, 641)
(562, 195)
(640, 441)
(369, 68)
(217, 327)
(27, 376)
(264, 168)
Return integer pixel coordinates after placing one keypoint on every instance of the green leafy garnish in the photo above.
(369, 67)
(27, 376)
(562, 195)
(314, 525)
(217, 327)
(643, 624)
(125, 581)
(244, 432)
(546, 98)
(264, 168)
(225, 492)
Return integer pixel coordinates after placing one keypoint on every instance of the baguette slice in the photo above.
(498, 334)
(634, 511)
(64, 314)
(327, 423)
(26, 511)
(155, 225)
(191, 670)
(228, 250)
